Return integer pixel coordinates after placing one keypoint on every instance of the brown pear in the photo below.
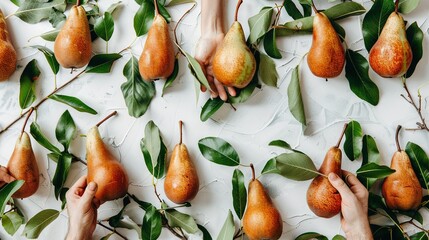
(401, 189)
(157, 58)
(7, 51)
(261, 219)
(323, 199)
(181, 182)
(104, 169)
(73, 44)
(326, 56)
(391, 55)
(22, 165)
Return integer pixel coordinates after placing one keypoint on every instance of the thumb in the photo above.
(340, 185)
(88, 196)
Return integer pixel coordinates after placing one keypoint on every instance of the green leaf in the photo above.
(61, 173)
(137, 93)
(11, 222)
(296, 166)
(357, 74)
(102, 63)
(50, 57)
(17, 2)
(353, 143)
(57, 18)
(27, 92)
(7, 191)
(206, 234)
(37, 134)
(172, 77)
(218, 151)
(114, 221)
(196, 69)
(181, 220)
(420, 163)
(152, 141)
(144, 18)
(270, 44)
(112, 8)
(164, 13)
(270, 167)
(413, 214)
(228, 228)
(415, 38)
(338, 237)
(419, 236)
(374, 21)
(152, 224)
(296, 105)
(36, 11)
(73, 102)
(407, 6)
(370, 153)
(157, 171)
(128, 223)
(267, 71)
(239, 194)
(292, 10)
(107, 236)
(373, 170)
(178, 2)
(281, 144)
(104, 26)
(259, 24)
(50, 35)
(65, 130)
(210, 108)
(311, 235)
(38, 222)
(63, 198)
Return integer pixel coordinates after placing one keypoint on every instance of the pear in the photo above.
(104, 169)
(72, 46)
(234, 64)
(181, 182)
(157, 58)
(22, 165)
(401, 189)
(391, 55)
(261, 219)
(326, 56)
(323, 199)
(7, 51)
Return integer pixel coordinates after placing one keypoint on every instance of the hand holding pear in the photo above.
(7, 51)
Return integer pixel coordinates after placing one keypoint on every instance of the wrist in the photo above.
(360, 231)
(78, 234)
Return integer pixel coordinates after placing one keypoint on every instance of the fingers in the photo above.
(350, 178)
(88, 196)
(340, 185)
(232, 91)
(5, 176)
(221, 90)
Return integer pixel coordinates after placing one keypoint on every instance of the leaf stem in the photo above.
(418, 106)
(181, 132)
(155, 2)
(236, 9)
(342, 135)
(106, 118)
(26, 120)
(77, 2)
(398, 146)
(112, 230)
(253, 171)
(396, 6)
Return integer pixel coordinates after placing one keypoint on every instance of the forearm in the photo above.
(361, 231)
(211, 17)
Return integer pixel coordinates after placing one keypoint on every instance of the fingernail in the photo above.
(332, 176)
(92, 186)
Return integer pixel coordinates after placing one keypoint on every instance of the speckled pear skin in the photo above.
(326, 57)
(22, 165)
(72, 46)
(104, 169)
(391, 55)
(234, 64)
(261, 220)
(7, 51)
(322, 198)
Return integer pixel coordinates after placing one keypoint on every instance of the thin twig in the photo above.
(106, 118)
(422, 125)
(26, 120)
(239, 233)
(174, 232)
(180, 20)
(112, 230)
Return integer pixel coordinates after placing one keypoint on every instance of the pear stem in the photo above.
(396, 6)
(314, 7)
(236, 9)
(398, 146)
(77, 2)
(253, 171)
(155, 2)
(106, 118)
(342, 135)
(181, 132)
(26, 120)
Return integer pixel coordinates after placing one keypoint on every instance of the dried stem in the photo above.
(239, 233)
(418, 106)
(155, 3)
(314, 7)
(236, 9)
(77, 2)
(396, 6)
(178, 22)
(181, 132)
(253, 171)
(398, 146)
(112, 230)
(156, 192)
(342, 135)
(26, 120)
(106, 118)
(174, 232)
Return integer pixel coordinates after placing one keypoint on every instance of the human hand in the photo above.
(354, 206)
(82, 210)
(5, 177)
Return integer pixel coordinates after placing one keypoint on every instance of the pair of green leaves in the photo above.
(144, 16)
(154, 150)
(13, 219)
(318, 236)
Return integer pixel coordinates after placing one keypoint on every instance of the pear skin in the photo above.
(22, 165)
(72, 46)
(322, 198)
(326, 56)
(157, 58)
(261, 219)
(391, 55)
(234, 64)
(7, 51)
(104, 169)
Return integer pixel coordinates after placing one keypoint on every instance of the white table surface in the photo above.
(264, 117)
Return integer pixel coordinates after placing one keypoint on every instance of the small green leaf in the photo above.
(281, 143)
(152, 224)
(206, 234)
(7, 191)
(267, 71)
(37, 134)
(50, 35)
(102, 63)
(65, 130)
(239, 194)
(104, 26)
(137, 93)
(374, 21)
(311, 235)
(115, 220)
(338, 237)
(63, 198)
(50, 57)
(27, 92)
(296, 105)
(17, 2)
(419, 236)
(107, 236)
(196, 69)
(296, 166)
(36, 11)
(292, 10)
(259, 24)
(38, 222)
(152, 141)
(144, 18)
(178, 2)
(420, 163)
(210, 108)
(415, 38)
(73, 102)
(172, 77)
(357, 74)
(218, 151)
(270, 44)
(228, 228)
(181, 220)
(61, 172)
(11, 222)
(112, 8)
(407, 6)
(158, 171)
(270, 167)
(57, 18)
(373, 170)
(353, 143)
(370, 153)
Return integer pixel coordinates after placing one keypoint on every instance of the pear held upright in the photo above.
(7, 51)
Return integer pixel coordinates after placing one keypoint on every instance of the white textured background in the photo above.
(264, 117)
